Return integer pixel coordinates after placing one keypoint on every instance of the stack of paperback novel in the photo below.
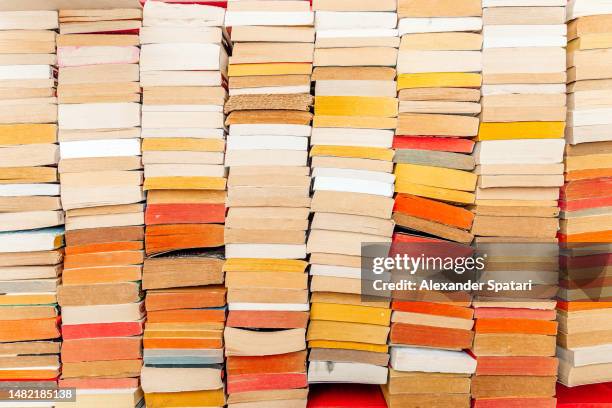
(519, 153)
(585, 310)
(183, 74)
(183, 339)
(183, 65)
(429, 333)
(439, 79)
(439, 66)
(268, 198)
(355, 118)
(519, 163)
(30, 210)
(100, 174)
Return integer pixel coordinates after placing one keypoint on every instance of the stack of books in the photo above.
(31, 219)
(355, 118)
(183, 75)
(268, 199)
(101, 191)
(439, 80)
(519, 153)
(519, 163)
(183, 339)
(429, 333)
(183, 66)
(585, 310)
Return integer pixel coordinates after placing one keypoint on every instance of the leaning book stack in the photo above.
(183, 73)
(585, 308)
(101, 179)
(268, 202)
(355, 118)
(31, 219)
(519, 165)
(439, 79)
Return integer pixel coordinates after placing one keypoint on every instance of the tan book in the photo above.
(335, 259)
(295, 219)
(442, 125)
(426, 400)
(331, 284)
(340, 242)
(98, 26)
(263, 236)
(241, 342)
(427, 383)
(258, 53)
(348, 299)
(590, 374)
(296, 102)
(352, 223)
(27, 42)
(31, 258)
(99, 164)
(523, 15)
(520, 180)
(499, 386)
(265, 81)
(29, 347)
(352, 163)
(186, 196)
(105, 73)
(28, 59)
(516, 211)
(523, 114)
(434, 228)
(99, 294)
(30, 155)
(440, 94)
(348, 356)
(438, 8)
(348, 332)
(30, 312)
(32, 203)
(41, 110)
(97, 40)
(109, 369)
(500, 344)
(354, 5)
(441, 41)
(267, 295)
(352, 203)
(269, 280)
(357, 42)
(354, 73)
(273, 34)
(266, 396)
(596, 24)
(515, 226)
(369, 56)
